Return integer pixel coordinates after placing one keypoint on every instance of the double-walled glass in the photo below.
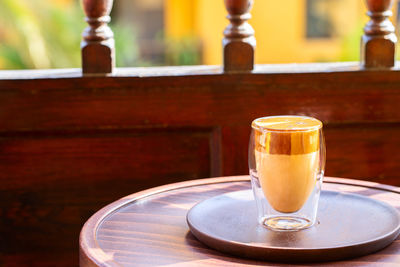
(286, 162)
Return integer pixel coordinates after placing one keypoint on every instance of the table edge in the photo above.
(87, 241)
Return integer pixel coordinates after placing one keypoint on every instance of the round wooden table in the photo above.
(149, 228)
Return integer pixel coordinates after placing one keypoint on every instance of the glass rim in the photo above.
(266, 129)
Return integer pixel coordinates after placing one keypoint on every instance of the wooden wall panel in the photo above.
(52, 183)
(35, 159)
(201, 100)
(367, 152)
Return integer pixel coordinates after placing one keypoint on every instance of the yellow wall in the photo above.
(279, 26)
(210, 24)
(179, 18)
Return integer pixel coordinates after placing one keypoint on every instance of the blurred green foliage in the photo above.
(351, 43)
(184, 51)
(47, 34)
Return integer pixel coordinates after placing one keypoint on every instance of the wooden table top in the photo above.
(149, 228)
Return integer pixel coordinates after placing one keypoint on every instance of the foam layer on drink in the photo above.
(287, 159)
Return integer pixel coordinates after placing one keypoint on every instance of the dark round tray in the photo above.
(349, 225)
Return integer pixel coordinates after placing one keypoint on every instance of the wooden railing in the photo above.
(72, 141)
(98, 56)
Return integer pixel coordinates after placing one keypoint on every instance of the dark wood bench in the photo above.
(71, 142)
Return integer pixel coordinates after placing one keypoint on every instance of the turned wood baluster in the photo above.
(379, 41)
(239, 42)
(98, 56)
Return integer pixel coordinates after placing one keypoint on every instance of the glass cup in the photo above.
(286, 164)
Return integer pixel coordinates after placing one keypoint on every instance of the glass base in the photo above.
(286, 223)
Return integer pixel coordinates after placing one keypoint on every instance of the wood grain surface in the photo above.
(239, 42)
(149, 228)
(378, 44)
(71, 144)
(98, 45)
